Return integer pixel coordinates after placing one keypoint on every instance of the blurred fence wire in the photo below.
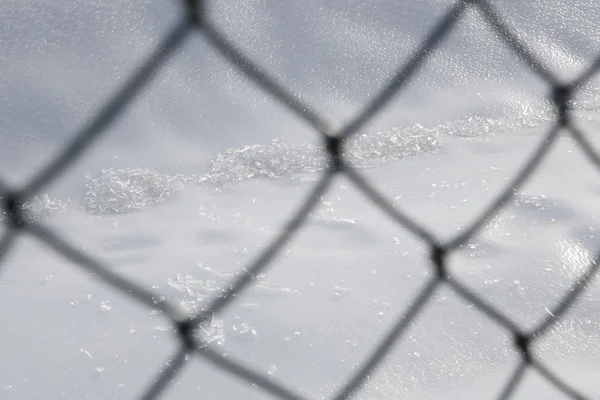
(194, 21)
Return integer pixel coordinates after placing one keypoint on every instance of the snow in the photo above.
(203, 170)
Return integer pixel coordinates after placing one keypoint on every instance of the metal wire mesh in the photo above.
(194, 21)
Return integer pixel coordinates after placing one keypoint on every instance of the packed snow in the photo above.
(202, 171)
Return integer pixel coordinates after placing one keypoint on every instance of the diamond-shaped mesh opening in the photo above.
(327, 297)
(466, 96)
(338, 56)
(498, 262)
(454, 113)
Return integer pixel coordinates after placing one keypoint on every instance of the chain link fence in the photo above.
(194, 21)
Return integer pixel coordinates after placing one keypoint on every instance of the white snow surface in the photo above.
(203, 170)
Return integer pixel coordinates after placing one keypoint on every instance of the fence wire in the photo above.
(195, 21)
